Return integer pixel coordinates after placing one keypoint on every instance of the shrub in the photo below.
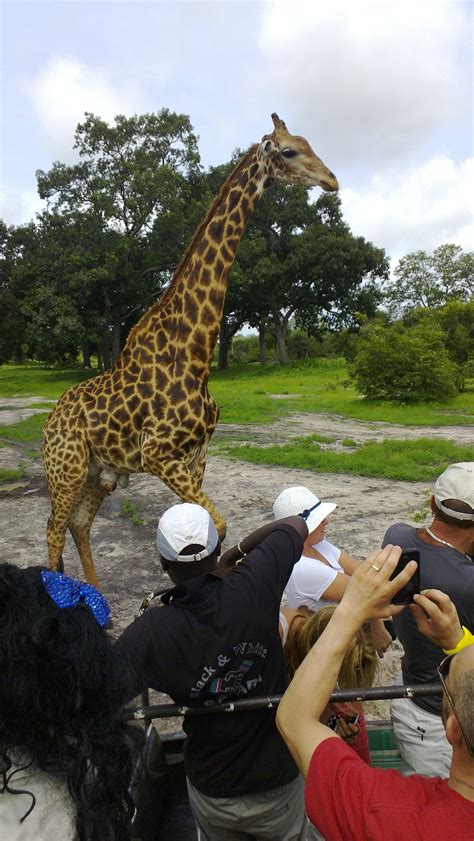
(403, 365)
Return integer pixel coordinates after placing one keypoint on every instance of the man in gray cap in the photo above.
(446, 564)
(214, 640)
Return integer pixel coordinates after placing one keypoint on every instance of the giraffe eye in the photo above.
(289, 153)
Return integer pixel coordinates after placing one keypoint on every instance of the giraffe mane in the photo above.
(151, 311)
(210, 213)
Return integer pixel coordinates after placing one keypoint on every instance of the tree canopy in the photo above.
(118, 221)
(431, 280)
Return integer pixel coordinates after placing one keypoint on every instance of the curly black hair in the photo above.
(61, 690)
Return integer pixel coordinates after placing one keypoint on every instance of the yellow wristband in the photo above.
(466, 639)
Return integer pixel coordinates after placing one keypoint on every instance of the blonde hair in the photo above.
(359, 665)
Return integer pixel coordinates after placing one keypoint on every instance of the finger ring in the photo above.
(375, 567)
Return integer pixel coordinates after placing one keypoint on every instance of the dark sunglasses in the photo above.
(443, 671)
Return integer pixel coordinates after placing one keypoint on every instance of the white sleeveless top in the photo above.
(311, 578)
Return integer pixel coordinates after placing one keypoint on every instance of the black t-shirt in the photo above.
(444, 569)
(216, 640)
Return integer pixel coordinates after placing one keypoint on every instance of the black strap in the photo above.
(305, 514)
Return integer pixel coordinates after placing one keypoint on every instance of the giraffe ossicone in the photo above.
(152, 411)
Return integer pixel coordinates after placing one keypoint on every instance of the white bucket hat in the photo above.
(299, 500)
(184, 525)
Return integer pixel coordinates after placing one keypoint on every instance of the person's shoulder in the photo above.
(144, 624)
(397, 532)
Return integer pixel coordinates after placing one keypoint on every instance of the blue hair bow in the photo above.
(68, 592)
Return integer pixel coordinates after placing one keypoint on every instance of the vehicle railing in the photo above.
(148, 711)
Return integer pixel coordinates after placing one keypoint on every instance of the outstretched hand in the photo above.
(437, 618)
(369, 591)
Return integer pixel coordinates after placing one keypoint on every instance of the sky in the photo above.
(382, 90)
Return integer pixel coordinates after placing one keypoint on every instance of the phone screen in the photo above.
(405, 595)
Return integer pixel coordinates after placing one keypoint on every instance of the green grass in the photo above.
(244, 395)
(7, 473)
(30, 429)
(422, 514)
(414, 461)
(35, 379)
(129, 511)
(322, 439)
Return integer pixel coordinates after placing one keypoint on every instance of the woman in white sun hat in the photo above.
(320, 577)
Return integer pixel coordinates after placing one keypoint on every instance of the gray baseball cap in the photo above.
(457, 482)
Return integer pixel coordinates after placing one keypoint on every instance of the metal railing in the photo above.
(148, 711)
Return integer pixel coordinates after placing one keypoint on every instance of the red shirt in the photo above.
(348, 800)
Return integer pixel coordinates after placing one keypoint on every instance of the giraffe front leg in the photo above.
(178, 478)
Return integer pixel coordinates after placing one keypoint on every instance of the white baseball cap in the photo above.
(457, 482)
(183, 525)
(300, 500)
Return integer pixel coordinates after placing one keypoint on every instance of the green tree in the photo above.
(456, 322)
(300, 261)
(12, 320)
(402, 364)
(430, 280)
(134, 190)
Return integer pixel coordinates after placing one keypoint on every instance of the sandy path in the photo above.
(125, 554)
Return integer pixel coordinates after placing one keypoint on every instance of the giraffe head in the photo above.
(291, 160)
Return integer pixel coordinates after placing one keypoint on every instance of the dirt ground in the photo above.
(125, 554)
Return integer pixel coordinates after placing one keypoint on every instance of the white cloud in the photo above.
(416, 209)
(63, 90)
(370, 81)
(17, 207)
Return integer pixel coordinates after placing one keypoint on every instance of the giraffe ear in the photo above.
(268, 147)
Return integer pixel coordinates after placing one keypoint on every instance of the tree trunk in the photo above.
(280, 338)
(225, 341)
(262, 348)
(104, 349)
(86, 354)
(116, 340)
(104, 342)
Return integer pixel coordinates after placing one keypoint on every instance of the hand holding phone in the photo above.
(405, 595)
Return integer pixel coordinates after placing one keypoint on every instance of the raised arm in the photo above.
(232, 556)
(437, 618)
(368, 595)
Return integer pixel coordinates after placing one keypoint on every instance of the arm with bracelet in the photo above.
(236, 553)
(437, 618)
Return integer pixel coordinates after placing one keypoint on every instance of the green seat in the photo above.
(383, 747)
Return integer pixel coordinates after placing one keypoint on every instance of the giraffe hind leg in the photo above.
(61, 506)
(80, 521)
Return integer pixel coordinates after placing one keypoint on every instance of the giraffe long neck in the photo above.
(188, 315)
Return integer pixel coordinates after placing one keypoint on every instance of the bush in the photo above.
(403, 365)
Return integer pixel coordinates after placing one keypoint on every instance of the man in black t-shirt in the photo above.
(214, 640)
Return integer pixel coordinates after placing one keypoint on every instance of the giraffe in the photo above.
(152, 411)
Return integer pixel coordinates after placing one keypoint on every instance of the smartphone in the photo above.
(405, 595)
(332, 720)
